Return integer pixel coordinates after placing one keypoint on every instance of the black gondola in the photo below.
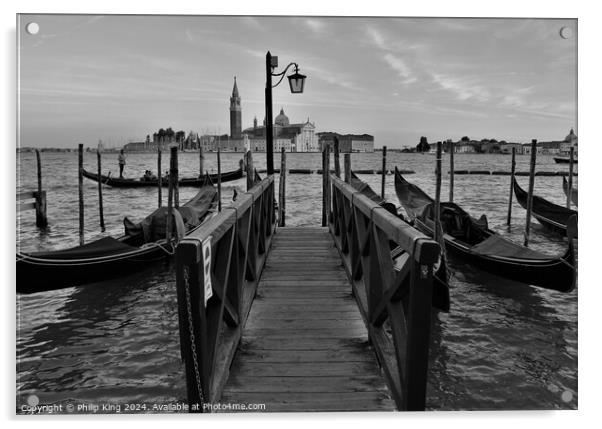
(562, 160)
(116, 182)
(441, 285)
(109, 257)
(574, 192)
(475, 242)
(550, 215)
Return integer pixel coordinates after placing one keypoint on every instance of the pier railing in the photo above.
(218, 267)
(394, 287)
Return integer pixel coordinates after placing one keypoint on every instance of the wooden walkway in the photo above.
(305, 345)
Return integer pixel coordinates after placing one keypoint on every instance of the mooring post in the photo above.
(201, 159)
(282, 186)
(41, 219)
(450, 145)
(170, 191)
(100, 209)
(80, 183)
(325, 168)
(384, 173)
(569, 192)
(512, 170)
(337, 163)
(176, 180)
(347, 168)
(438, 237)
(159, 178)
(530, 193)
(219, 180)
(250, 171)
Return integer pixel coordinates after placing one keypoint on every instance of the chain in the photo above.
(192, 338)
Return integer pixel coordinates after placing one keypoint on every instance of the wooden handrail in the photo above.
(398, 289)
(215, 293)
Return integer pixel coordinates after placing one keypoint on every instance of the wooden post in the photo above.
(160, 179)
(219, 180)
(170, 191)
(201, 159)
(41, 219)
(176, 180)
(337, 163)
(512, 170)
(325, 168)
(451, 171)
(530, 194)
(250, 171)
(80, 183)
(100, 209)
(438, 237)
(282, 186)
(384, 173)
(569, 191)
(347, 168)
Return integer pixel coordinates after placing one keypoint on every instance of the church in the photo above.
(296, 137)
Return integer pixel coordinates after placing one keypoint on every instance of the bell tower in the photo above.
(235, 114)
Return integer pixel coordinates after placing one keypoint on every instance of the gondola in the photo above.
(550, 215)
(108, 257)
(440, 285)
(574, 192)
(563, 160)
(116, 182)
(472, 240)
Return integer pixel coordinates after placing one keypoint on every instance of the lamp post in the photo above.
(296, 82)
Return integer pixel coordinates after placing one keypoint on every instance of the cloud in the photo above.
(316, 26)
(189, 35)
(463, 88)
(377, 38)
(401, 68)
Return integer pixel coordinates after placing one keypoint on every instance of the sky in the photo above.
(85, 78)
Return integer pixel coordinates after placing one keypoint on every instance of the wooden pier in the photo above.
(306, 318)
(305, 345)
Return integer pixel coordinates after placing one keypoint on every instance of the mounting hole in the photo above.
(566, 32)
(32, 28)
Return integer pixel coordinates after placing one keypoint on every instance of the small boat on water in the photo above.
(550, 215)
(116, 182)
(472, 240)
(440, 285)
(574, 191)
(564, 160)
(107, 258)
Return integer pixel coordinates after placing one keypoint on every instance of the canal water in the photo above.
(503, 346)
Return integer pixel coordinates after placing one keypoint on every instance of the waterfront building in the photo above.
(297, 137)
(347, 142)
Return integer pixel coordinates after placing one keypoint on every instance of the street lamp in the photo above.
(296, 82)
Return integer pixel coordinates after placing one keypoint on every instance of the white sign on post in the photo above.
(207, 268)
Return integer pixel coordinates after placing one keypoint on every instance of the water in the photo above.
(504, 345)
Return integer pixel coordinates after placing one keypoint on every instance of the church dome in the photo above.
(282, 119)
(571, 137)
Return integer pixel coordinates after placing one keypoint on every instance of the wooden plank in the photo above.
(302, 343)
(305, 369)
(308, 402)
(304, 323)
(333, 384)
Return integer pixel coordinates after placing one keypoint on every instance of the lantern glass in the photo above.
(296, 82)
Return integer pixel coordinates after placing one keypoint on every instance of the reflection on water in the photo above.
(504, 345)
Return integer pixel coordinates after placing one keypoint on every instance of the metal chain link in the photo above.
(192, 337)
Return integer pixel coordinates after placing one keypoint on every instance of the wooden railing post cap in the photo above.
(426, 251)
(190, 247)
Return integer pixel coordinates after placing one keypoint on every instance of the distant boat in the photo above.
(471, 239)
(565, 187)
(564, 160)
(196, 182)
(550, 215)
